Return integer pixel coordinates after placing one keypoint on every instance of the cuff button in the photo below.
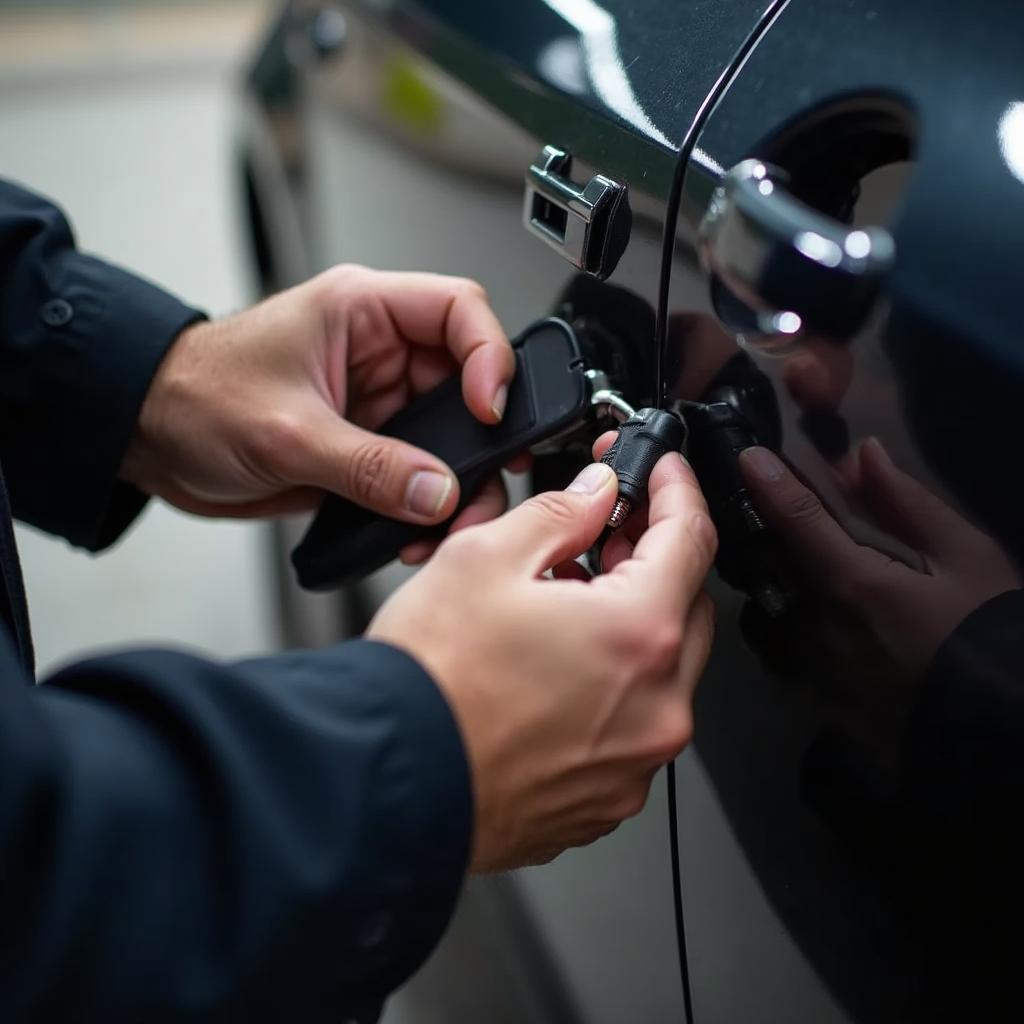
(56, 312)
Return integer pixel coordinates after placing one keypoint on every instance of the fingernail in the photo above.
(500, 401)
(592, 479)
(427, 492)
(763, 463)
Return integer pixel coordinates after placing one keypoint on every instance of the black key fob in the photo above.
(549, 393)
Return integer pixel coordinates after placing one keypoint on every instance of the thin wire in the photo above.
(668, 241)
(677, 890)
(687, 146)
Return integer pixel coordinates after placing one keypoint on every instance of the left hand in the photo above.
(260, 413)
(910, 609)
(569, 693)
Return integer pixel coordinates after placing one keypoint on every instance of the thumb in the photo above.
(558, 525)
(380, 473)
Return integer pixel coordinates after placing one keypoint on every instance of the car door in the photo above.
(843, 816)
(831, 858)
(409, 131)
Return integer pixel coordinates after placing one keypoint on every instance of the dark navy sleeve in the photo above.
(276, 840)
(80, 341)
(966, 742)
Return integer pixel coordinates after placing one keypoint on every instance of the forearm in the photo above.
(277, 838)
(80, 341)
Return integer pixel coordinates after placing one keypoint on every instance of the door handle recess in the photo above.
(587, 224)
(779, 266)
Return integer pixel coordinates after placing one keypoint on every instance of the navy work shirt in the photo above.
(278, 839)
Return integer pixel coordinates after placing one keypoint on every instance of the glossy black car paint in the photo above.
(885, 855)
(816, 887)
(956, 71)
(646, 66)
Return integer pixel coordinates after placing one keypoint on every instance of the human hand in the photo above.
(569, 692)
(260, 413)
(910, 608)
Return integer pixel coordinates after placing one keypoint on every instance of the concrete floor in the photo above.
(125, 117)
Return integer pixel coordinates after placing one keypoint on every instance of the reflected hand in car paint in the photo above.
(910, 608)
(817, 377)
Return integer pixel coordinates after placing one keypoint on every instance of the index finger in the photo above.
(828, 553)
(431, 309)
(675, 554)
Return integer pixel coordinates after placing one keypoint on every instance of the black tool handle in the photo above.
(548, 394)
(641, 441)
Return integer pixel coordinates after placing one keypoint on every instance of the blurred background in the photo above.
(126, 112)
(122, 112)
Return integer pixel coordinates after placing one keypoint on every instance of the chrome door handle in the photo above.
(782, 266)
(587, 224)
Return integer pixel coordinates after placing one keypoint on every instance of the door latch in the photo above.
(589, 225)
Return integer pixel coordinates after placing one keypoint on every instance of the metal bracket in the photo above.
(605, 399)
(588, 225)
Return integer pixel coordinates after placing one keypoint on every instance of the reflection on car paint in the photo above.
(1011, 138)
(902, 620)
(606, 70)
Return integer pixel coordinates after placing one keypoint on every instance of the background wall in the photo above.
(123, 113)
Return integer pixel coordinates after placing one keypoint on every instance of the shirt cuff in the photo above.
(107, 332)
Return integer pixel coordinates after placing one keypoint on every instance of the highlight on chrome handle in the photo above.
(780, 267)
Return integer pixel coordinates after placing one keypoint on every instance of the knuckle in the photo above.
(629, 803)
(554, 505)
(604, 823)
(628, 635)
(542, 856)
(647, 649)
(279, 439)
(369, 471)
(466, 287)
(343, 275)
(663, 647)
(601, 831)
(470, 546)
(803, 507)
(673, 731)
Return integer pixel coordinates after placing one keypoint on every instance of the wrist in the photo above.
(169, 390)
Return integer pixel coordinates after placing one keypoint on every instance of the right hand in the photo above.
(263, 412)
(570, 693)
